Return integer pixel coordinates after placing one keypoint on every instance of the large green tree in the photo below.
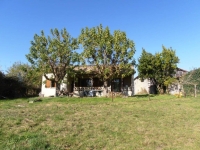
(110, 53)
(160, 68)
(54, 54)
(146, 65)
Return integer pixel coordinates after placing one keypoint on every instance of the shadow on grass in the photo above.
(16, 98)
(4, 98)
(144, 95)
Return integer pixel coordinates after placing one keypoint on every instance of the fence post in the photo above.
(195, 90)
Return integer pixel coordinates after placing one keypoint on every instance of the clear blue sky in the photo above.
(149, 23)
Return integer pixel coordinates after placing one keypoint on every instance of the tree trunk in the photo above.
(164, 89)
(159, 89)
(57, 89)
(105, 90)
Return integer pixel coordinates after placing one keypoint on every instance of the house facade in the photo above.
(48, 88)
(176, 87)
(146, 86)
(87, 84)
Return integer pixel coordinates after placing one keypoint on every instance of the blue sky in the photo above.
(149, 23)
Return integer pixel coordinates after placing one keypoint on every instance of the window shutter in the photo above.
(48, 84)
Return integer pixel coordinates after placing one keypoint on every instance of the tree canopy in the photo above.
(159, 67)
(111, 54)
(30, 76)
(54, 54)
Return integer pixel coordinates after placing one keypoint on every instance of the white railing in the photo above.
(88, 88)
(99, 88)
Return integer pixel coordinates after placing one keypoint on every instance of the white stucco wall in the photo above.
(175, 89)
(48, 91)
(139, 85)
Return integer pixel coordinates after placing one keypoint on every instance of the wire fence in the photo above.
(190, 89)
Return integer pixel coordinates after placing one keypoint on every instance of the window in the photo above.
(116, 85)
(53, 84)
(97, 82)
(87, 82)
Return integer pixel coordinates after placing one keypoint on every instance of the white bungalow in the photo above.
(88, 85)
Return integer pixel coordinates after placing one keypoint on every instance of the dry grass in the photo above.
(165, 122)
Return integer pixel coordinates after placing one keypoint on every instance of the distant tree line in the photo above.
(21, 80)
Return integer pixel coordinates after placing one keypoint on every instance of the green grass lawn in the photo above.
(164, 122)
